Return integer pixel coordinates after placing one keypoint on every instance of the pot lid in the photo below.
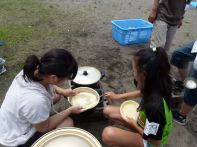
(87, 75)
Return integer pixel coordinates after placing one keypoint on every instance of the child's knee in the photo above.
(106, 110)
(107, 135)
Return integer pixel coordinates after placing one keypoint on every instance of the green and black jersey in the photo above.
(156, 122)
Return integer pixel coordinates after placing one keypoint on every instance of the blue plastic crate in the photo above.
(194, 4)
(131, 31)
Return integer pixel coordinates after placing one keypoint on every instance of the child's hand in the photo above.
(131, 122)
(69, 92)
(75, 110)
(64, 92)
(152, 16)
(112, 96)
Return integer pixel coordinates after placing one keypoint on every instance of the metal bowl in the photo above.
(129, 109)
(87, 100)
(68, 136)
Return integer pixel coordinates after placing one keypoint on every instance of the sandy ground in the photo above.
(100, 51)
(94, 47)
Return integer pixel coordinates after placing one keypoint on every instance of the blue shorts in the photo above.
(180, 58)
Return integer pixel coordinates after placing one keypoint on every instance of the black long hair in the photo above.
(155, 66)
(59, 62)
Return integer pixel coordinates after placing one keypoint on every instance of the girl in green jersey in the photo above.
(151, 70)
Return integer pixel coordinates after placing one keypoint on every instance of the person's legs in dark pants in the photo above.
(189, 101)
(180, 58)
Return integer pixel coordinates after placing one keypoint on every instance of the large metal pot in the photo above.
(87, 76)
(69, 137)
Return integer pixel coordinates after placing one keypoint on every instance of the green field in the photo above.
(32, 27)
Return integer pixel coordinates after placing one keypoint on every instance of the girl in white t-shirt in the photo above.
(25, 112)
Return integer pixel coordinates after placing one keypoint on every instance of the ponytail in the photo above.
(31, 64)
(154, 63)
(164, 72)
(162, 59)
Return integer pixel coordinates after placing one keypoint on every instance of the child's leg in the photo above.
(68, 122)
(158, 37)
(170, 36)
(182, 74)
(189, 101)
(113, 112)
(185, 109)
(114, 137)
(190, 95)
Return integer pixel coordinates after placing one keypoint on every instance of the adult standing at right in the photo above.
(166, 15)
(180, 59)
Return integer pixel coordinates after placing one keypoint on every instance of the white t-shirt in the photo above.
(25, 103)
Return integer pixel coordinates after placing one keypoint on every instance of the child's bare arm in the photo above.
(128, 95)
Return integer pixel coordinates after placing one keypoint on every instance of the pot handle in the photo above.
(103, 73)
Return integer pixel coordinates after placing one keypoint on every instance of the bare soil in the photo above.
(84, 28)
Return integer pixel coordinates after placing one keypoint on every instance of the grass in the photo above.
(32, 27)
(18, 28)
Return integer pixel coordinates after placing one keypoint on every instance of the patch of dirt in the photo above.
(93, 46)
(84, 28)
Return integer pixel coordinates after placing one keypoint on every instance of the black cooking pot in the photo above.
(88, 76)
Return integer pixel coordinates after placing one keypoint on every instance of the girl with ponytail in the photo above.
(25, 112)
(151, 70)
